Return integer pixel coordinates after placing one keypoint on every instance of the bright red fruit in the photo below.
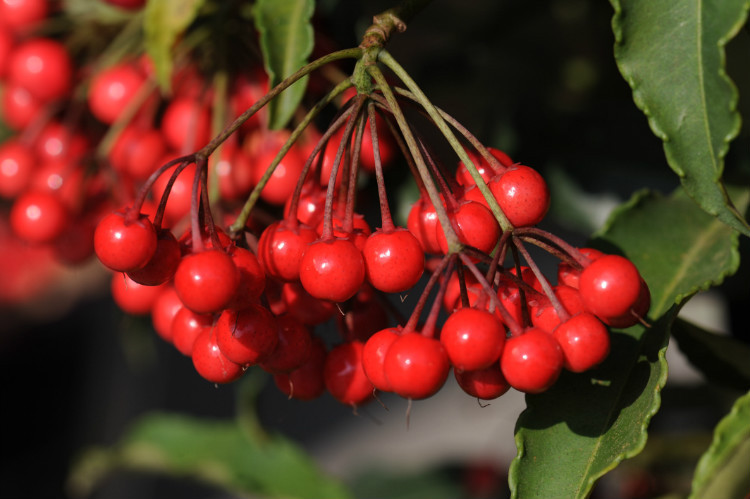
(19, 107)
(207, 281)
(23, 15)
(305, 382)
(210, 363)
(16, 167)
(344, 377)
(38, 217)
(416, 366)
(252, 278)
(122, 244)
(186, 326)
(474, 224)
(584, 341)
(394, 260)
(463, 177)
(610, 286)
(43, 67)
(163, 263)
(532, 361)
(473, 339)
(165, 308)
(488, 383)
(186, 124)
(281, 247)
(293, 347)
(113, 89)
(522, 194)
(332, 270)
(570, 275)
(132, 297)
(247, 336)
(304, 307)
(423, 224)
(373, 356)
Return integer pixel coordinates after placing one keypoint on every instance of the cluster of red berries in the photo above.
(239, 250)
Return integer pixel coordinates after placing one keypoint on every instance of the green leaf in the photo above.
(286, 40)
(723, 469)
(164, 23)
(587, 423)
(722, 360)
(671, 53)
(214, 451)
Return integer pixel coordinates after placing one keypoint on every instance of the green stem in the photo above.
(437, 118)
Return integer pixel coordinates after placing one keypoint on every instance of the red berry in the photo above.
(283, 180)
(305, 382)
(247, 336)
(394, 260)
(281, 247)
(416, 366)
(373, 356)
(113, 89)
(543, 314)
(186, 326)
(38, 217)
(20, 108)
(332, 269)
(568, 274)
(636, 313)
(210, 362)
(122, 244)
(17, 164)
(304, 307)
(610, 286)
(132, 297)
(252, 277)
(522, 194)
(23, 15)
(488, 383)
(163, 263)
(423, 224)
(473, 339)
(42, 66)
(207, 281)
(474, 224)
(584, 341)
(293, 347)
(344, 377)
(463, 177)
(532, 361)
(163, 312)
(186, 124)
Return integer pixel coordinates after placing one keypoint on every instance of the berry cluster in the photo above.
(240, 241)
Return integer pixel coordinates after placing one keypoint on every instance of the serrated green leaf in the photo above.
(671, 53)
(214, 451)
(164, 22)
(722, 359)
(586, 424)
(286, 40)
(723, 470)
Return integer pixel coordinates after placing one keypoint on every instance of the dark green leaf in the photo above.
(435, 484)
(165, 21)
(571, 435)
(286, 39)
(721, 359)
(723, 469)
(671, 53)
(217, 452)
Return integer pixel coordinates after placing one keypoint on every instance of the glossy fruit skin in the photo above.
(163, 263)
(373, 356)
(247, 336)
(532, 361)
(416, 366)
(473, 339)
(569, 275)
(207, 281)
(38, 217)
(486, 384)
(636, 313)
(131, 297)
(474, 225)
(344, 377)
(186, 327)
(178, 203)
(423, 224)
(332, 269)
(610, 286)
(211, 363)
(165, 308)
(281, 247)
(42, 66)
(112, 90)
(522, 194)
(292, 349)
(17, 164)
(252, 278)
(584, 341)
(543, 314)
(123, 245)
(394, 260)
(464, 178)
(305, 382)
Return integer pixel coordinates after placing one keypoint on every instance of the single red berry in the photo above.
(488, 383)
(394, 260)
(178, 202)
(123, 244)
(473, 339)
(144, 154)
(19, 107)
(532, 361)
(38, 217)
(132, 297)
(293, 347)
(584, 341)
(373, 356)
(17, 164)
(163, 263)
(522, 194)
(186, 124)
(332, 269)
(22, 16)
(305, 382)
(43, 66)
(210, 362)
(186, 326)
(474, 224)
(247, 336)
(163, 312)
(416, 366)
(343, 374)
(252, 278)
(207, 281)
(636, 313)
(281, 247)
(283, 180)
(543, 314)
(463, 177)
(423, 224)
(112, 89)
(610, 286)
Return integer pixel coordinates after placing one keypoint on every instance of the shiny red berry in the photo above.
(344, 377)
(210, 362)
(584, 341)
(123, 244)
(488, 383)
(416, 366)
(610, 286)
(473, 339)
(247, 336)
(207, 281)
(332, 269)
(394, 260)
(373, 357)
(522, 194)
(532, 361)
